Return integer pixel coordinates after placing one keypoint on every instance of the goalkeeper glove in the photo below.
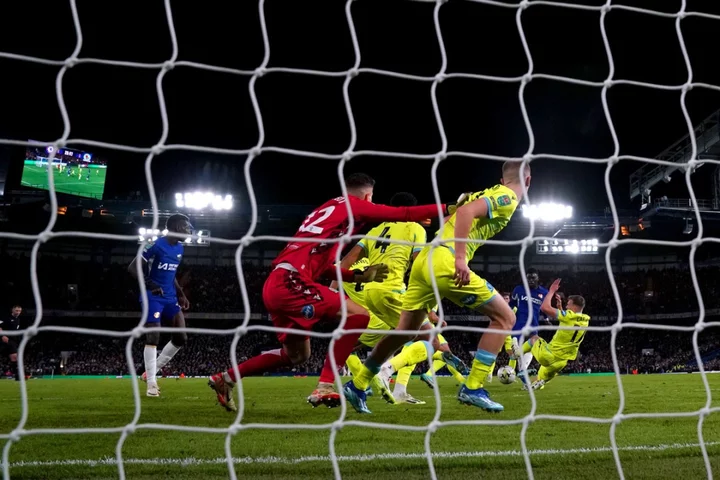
(451, 208)
(373, 273)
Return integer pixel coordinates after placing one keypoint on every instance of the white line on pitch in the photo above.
(350, 458)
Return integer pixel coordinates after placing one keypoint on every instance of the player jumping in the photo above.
(483, 217)
(165, 298)
(294, 297)
(565, 344)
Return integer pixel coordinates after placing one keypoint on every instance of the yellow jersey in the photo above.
(396, 256)
(501, 204)
(355, 290)
(566, 343)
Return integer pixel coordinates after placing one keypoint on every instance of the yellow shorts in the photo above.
(385, 303)
(420, 295)
(441, 339)
(372, 339)
(550, 364)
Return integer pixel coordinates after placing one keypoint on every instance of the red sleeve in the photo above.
(348, 276)
(368, 212)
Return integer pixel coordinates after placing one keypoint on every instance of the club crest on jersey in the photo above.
(156, 314)
(468, 299)
(503, 200)
(308, 311)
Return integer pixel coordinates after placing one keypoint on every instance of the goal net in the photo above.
(340, 160)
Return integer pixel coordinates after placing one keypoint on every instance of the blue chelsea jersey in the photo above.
(165, 260)
(519, 300)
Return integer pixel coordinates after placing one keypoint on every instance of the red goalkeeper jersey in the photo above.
(316, 258)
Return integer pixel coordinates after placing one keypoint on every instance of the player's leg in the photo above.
(481, 296)
(512, 363)
(177, 341)
(357, 318)
(152, 338)
(14, 362)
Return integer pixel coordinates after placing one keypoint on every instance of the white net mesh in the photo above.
(522, 81)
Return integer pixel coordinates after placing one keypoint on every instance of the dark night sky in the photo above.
(119, 104)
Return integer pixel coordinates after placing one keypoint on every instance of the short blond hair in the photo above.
(511, 171)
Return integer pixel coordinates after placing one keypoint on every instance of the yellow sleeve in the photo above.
(500, 203)
(420, 237)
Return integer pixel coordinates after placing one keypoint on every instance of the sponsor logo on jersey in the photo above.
(308, 311)
(170, 267)
(536, 301)
(504, 200)
(468, 299)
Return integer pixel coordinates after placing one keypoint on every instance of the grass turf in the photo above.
(33, 176)
(649, 448)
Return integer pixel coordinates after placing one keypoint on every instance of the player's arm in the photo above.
(419, 241)
(182, 298)
(370, 212)
(147, 254)
(546, 308)
(354, 255)
(373, 273)
(463, 222)
(4, 338)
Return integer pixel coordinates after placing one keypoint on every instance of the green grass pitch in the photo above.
(36, 177)
(649, 448)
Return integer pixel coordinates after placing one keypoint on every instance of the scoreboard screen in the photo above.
(74, 171)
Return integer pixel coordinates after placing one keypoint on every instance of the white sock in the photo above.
(526, 360)
(399, 389)
(150, 354)
(168, 352)
(387, 368)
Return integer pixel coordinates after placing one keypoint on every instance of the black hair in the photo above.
(174, 221)
(359, 180)
(403, 199)
(531, 271)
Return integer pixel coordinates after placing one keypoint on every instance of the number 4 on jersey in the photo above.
(311, 226)
(383, 245)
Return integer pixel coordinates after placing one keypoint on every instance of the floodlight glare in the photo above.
(203, 200)
(547, 212)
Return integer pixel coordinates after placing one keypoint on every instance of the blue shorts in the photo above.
(159, 308)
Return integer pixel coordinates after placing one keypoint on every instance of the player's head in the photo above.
(403, 199)
(16, 310)
(360, 185)
(576, 303)
(179, 223)
(506, 297)
(511, 174)
(533, 277)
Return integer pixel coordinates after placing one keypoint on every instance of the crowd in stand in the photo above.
(216, 289)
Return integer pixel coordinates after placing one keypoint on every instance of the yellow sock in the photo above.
(437, 365)
(512, 363)
(527, 347)
(458, 376)
(438, 355)
(481, 366)
(362, 378)
(492, 368)
(403, 375)
(354, 365)
(410, 355)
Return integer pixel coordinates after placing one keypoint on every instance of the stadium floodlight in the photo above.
(203, 200)
(547, 212)
(565, 246)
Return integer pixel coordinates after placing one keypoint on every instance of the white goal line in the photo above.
(110, 461)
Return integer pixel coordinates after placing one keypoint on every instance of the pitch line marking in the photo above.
(110, 461)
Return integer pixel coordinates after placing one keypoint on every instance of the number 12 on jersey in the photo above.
(310, 225)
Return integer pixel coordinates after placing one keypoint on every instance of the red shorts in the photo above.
(296, 301)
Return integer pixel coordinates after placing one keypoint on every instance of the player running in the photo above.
(294, 297)
(486, 214)
(165, 297)
(565, 344)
